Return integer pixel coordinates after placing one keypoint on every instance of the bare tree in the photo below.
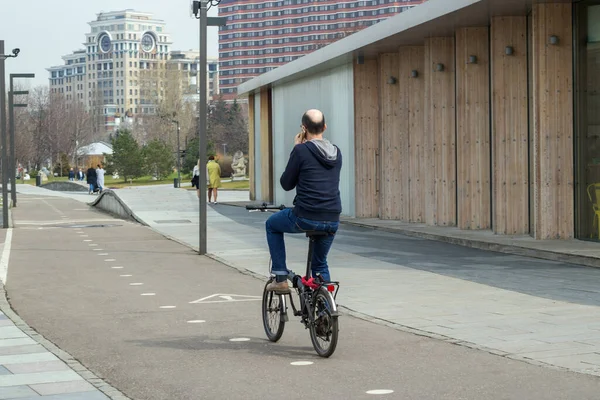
(50, 127)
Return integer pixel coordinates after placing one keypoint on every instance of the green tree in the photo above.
(158, 159)
(191, 154)
(237, 129)
(62, 166)
(126, 158)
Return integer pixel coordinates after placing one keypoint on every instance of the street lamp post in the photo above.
(178, 156)
(11, 128)
(3, 135)
(200, 10)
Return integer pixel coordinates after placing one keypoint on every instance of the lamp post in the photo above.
(200, 10)
(178, 156)
(11, 128)
(3, 135)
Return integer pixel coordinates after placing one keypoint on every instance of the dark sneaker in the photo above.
(278, 287)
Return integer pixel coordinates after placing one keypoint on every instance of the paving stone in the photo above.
(17, 392)
(6, 322)
(71, 396)
(27, 358)
(4, 371)
(26, 349)
(16, 342)
(10, 332)
(46, 389)
(45, 366)
(38, 377)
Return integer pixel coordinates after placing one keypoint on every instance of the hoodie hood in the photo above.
(324, 151)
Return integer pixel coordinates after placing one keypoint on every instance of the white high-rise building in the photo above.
(123, 51)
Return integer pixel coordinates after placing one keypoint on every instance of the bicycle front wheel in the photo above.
(273, 314)
(324, 326)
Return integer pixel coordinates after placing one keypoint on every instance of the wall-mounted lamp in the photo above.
(439, 67)
(553, 39)
(414, 73)
(360, 59)
(509, 50)
(472, 59)
(391, 80)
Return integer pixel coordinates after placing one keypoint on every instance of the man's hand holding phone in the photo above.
(300, 137)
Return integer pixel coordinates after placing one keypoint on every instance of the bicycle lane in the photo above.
(117, 296)
(538, 311)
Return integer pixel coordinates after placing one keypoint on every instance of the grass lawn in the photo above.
(111, 183)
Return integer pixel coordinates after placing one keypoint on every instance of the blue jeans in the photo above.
(285, 221)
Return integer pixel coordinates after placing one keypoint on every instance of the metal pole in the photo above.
(11, 132)
(202, 127)
(3, 139)
(178, 158)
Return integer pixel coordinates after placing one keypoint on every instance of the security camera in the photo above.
(16, 52)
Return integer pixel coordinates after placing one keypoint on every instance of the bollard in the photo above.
(38, 180)
(175, 182)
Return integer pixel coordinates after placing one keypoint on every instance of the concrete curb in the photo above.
(487, 245)
(73, 363)
(128, 213)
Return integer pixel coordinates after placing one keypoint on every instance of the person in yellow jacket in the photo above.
(213, 174)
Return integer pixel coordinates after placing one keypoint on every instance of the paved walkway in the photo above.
(416, 297)
(32, 367)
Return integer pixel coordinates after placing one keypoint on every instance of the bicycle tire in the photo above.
(323, 323)
(272, 334)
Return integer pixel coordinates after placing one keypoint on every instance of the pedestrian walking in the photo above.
(213, 172)
(196, 179)
(71, 175)
(80, 175)
(100, 177)
(91, 179)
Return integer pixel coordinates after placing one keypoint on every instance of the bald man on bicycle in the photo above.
(314, 170)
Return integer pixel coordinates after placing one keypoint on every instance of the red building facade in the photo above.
(260, 36)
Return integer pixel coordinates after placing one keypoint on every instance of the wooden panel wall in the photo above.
(440, 133)
(394, 195)
(510, 194)
(251, 150)
(412, 58)
(553, 121)
(366, 138)
(266, 146)
(473, 128)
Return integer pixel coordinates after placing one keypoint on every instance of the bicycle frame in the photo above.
(305, 285)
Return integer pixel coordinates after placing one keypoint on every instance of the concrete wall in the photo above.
(332, 93)
(112, 204)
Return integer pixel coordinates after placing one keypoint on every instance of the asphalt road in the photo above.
(73, 293)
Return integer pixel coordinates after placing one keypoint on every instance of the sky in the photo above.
(45, 30)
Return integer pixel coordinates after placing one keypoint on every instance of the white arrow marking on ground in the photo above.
(227, 298)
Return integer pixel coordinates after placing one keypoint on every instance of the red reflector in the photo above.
(331, 288)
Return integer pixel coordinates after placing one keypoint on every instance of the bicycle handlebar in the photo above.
(264, 207)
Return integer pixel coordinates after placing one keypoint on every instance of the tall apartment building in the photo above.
(122, 71)
(262, 35)
(187, 62)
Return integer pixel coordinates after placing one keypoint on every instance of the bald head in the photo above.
(314, 121)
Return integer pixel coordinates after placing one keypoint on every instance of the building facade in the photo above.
(260, 36)
(187, 63)
(122, 72)
(469, 114)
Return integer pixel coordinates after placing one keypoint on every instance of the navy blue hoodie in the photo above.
(314, 170)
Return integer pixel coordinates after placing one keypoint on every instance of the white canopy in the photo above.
(95, 149)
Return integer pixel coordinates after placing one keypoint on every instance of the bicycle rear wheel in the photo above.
(324, 327)
(272, 314)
